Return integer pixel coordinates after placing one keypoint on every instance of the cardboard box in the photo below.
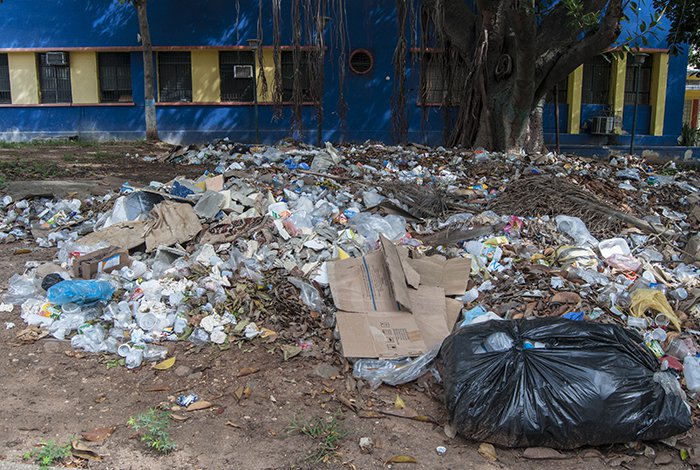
(388, 308)
(100, 261)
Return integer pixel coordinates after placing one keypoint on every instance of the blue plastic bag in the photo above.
(80, 292)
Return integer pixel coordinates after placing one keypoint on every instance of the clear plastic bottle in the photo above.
(691, 371)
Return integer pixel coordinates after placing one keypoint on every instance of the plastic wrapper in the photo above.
(393, 371)
(623, 262)
(576, 229)
(652, 299)
(92, 339)
(309, 294)
(80, 292)
(21, 288)
(371, 226)
(563, 384)
(371, 198)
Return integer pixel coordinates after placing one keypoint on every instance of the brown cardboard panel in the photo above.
(384, 335)
(430, 313)
(396, 274)
(454, 308)
(100, 261)
(172, 223)
(126, 235)
(361, 284)
(450, 274)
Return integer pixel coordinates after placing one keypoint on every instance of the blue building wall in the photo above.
(60, 24)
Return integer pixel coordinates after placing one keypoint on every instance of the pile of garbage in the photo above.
(386, 249)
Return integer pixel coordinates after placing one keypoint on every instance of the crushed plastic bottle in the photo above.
(691, 371)
(308, 294)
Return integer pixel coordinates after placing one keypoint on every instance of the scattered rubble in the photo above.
(298, 247)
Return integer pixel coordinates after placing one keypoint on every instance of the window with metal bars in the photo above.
(434, 78)
(54, 79)
(288, 71)
(174, 76)
(5, 96)
(115, 77)
(644, 72)
(596, 81)
(237, 69)
(562, 94)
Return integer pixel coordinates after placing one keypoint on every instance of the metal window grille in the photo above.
(54, 81)
(687, 111)
(237, 89)
(288, 71)
(434, 89)
(596, 81)
(644, 81)
(563, 92)
(115, 77)
(175, 76)
(5, 96)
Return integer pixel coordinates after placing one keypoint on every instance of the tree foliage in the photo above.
(685, 26)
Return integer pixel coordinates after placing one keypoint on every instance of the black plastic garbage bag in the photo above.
(556, 383)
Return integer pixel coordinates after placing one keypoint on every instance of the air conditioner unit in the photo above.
(242, 71)
(56, 58)
(603, 125)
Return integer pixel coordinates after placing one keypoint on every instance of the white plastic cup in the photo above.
(123, 350)
(636, 322)
(147, 321)
(659, 335)
(662, 320)
(70, 308)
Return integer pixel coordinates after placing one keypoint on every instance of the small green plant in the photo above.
(153, 428)
(49, 453)
(689, 137)
(112, 363)
(327, 433)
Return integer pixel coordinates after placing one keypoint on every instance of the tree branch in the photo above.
(560, 65)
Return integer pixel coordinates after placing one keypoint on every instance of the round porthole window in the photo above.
(361, 61)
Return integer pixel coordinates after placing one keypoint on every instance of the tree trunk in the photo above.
(515, 58)
(149, 94)
(534, 138)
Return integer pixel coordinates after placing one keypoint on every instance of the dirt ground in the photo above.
(48, 391)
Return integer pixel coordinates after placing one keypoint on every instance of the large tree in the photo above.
(514, 52)
(498, 58)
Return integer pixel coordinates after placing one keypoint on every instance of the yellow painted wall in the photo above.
(83, 77)
(206, 80)
(269, 70)
(574, 99)
(617, 88)
(659, 79)
(24, 80)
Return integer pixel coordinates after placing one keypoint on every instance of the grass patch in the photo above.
(49, 453)
(153, 425)
(105, 156)
(17, 170)
(326, 433)
(67, 157)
